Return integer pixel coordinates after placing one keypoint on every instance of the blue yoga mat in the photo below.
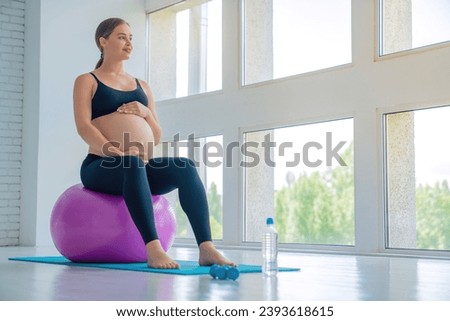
(186, 267)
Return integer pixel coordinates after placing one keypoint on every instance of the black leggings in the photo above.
(136, 182)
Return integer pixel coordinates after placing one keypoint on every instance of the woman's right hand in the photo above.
(111, 150)
(133, 151)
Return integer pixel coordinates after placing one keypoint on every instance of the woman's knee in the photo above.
(184, 162)
(187, 169)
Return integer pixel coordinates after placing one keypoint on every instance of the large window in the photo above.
(408, 24)
(417, 165)
(287, 37)
(290, 97)
(186, 49)
(302, 175)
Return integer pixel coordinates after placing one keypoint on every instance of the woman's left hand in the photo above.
(135, 108)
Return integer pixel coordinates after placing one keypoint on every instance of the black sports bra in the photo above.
(106, 100)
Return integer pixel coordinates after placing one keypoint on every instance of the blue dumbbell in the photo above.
(223, 272)
(232, 273)
(213, 270)
(217, 272)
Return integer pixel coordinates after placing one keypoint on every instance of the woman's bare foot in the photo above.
(157, 257)
(209, 255)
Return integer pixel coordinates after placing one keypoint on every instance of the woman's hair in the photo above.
(104, 29)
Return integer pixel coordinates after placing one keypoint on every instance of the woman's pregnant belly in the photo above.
(127, 132)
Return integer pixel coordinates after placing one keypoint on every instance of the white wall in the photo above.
(65, 48)
(12, 19)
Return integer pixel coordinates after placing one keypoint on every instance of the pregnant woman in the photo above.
(115, 115)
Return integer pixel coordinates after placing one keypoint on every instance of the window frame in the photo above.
(338, 248)
(178, 6)
(242, 55)
(379, 56)
(384, 232)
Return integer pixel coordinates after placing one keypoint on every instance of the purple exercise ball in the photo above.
(88, 226)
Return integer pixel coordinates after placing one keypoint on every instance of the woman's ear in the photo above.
(102, 41)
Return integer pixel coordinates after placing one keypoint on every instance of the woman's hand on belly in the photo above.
(135, 108)
(138, 109)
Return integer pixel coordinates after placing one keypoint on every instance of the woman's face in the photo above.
(119, 43)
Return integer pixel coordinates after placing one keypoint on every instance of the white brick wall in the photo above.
(12, 28)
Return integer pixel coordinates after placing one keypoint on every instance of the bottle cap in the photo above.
(269, 221)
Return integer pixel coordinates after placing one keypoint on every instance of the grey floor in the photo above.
(322, 277)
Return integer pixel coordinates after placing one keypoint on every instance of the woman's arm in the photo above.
(82, 96)
(152, 119)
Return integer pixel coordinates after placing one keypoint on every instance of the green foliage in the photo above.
(433, 216)
(318, 208)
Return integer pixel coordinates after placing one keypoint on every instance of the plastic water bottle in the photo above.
(270, 249)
